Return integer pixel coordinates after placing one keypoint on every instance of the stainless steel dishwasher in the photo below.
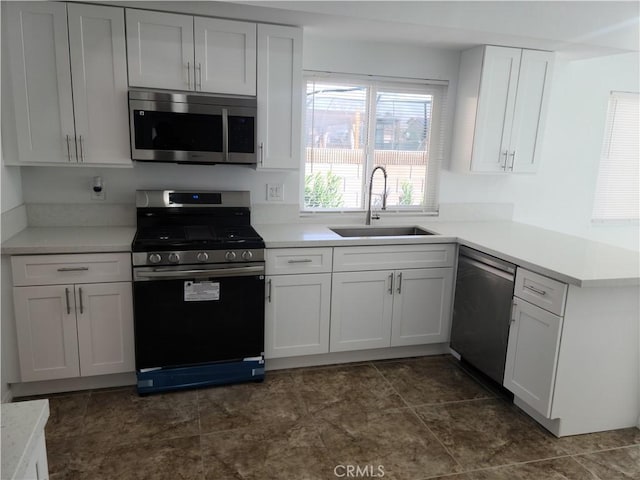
(482, 311)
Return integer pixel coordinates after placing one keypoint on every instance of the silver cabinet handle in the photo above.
(504, 154)
(513, 311)
(391, 283)
(68, 148)
(513, 159)
(81, 150)
(66, 294)
(73, 269)
(189, 75)
(200, 74)
(261, 153)
(400, 282)
(304, 260)
(80, 295)
(535, 290)
(269, 291)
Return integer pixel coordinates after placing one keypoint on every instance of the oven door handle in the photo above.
(217, 272)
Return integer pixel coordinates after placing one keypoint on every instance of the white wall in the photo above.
(73, 184)
(560, 196)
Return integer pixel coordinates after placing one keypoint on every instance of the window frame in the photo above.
(436, 88)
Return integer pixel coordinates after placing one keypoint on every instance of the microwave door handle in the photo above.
(225, 134)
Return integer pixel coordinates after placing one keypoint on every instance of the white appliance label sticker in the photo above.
(201, 291)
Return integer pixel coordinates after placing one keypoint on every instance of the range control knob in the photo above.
(155, 258)
(247, 255)
(202, 256)
(230, 256)
(174, 257)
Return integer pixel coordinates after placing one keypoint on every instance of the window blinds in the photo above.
(617, 195)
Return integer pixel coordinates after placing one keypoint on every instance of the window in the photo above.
(353, 125)
(617, 193)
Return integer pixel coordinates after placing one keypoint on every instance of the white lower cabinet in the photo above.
(532, 355)
(321, 300)
(534, 339)
(378, 309)
(298, 301)
(73, 329)
(297, 315)
(361, 310)
(47, 332)
(105, 328)
(422, 306)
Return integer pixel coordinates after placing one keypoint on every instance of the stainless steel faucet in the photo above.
(384, 194)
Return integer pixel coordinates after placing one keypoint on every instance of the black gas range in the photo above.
(198, 270)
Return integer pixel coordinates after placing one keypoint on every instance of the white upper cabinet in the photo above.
(41, 80)
(160, 50)
(182, 52)
(279, 96)
(528, 116)
(225, 56)
(99, 74)
(502, 94)
(69, 83)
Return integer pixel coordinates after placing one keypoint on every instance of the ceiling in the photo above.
(575, 28)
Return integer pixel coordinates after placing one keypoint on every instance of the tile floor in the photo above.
(410, 419)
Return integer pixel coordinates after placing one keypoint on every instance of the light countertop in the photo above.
(42, 240)
(571, 259)
(22, 424)
(567, 258)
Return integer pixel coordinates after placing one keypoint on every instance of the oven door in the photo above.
(194, 315)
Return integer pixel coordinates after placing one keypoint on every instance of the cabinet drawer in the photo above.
(541, 291)
(75, 268)
(298, 260)
(391, 257)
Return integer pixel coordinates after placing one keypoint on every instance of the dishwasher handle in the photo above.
(487, 268)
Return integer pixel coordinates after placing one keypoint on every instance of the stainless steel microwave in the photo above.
(182, 127)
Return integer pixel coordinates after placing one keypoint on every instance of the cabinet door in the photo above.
(99, 72)
(160, 50)
(496, 100)
(530, 106)
(361, 310)
(532, 354)
(41, 81)
(105, 328)
(422, 306)
(225, 56)
(279, 96)
(297, 315)
(47, 334)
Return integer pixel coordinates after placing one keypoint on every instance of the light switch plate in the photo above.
(275, 192)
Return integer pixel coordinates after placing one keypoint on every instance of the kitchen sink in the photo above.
(379, 231)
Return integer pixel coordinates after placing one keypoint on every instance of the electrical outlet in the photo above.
(275, 192)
